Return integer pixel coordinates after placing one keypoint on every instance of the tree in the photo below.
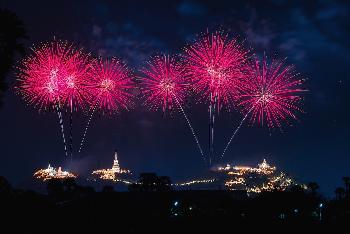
(150, 182)
(346, 180)
(339, 193)
(164, 183)
(5, 186)
(54, 187)
(12, 32)
(297, 189)
(108, 189)
(313, 186)
(69, 185)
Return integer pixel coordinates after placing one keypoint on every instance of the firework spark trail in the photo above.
(214, 63)
(54, 76)
(211, 132)
(211, 129)
(271, 93)
(71, 133)
(163, 76)
(87, 127)
(110, 86)
(166, 86)
(235, 132)
(191, 128)
(60, 118)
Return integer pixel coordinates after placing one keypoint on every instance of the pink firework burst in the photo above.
(165, 82)
(53, 74)
(215, 64)
(110, 85)
(40, 76)
(272, 93)
(74, 84)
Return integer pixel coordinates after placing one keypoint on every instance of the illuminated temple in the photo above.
(258, 179)
(111, 173)
(53, 173)
(264, 177)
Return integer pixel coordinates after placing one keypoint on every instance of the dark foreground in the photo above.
(69, 208)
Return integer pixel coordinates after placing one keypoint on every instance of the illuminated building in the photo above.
(255, 179)
(264, 177)
(112, 173)
(53, 173)
(263, 168)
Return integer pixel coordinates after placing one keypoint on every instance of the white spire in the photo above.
(116, 167)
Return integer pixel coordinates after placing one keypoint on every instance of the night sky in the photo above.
(313, 35)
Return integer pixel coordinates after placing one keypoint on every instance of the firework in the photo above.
(55, 72)
(166, 86)
(164, 82)
(75, 92)
(53, 76)
(74, 83)
(109, 87)
(271, 95)
(215, 65)
(74, 86)
(41, 74)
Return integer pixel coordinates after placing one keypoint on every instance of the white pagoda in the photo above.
(111, 174)
(116, 167)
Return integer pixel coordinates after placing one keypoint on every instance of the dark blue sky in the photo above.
(313, 35)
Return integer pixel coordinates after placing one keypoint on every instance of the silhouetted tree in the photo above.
(12, 32)
(297, 189)
(313, 186)
(54, 187)
(346, 180)
(149, 182)
(69, 185)
(339, 193)
(164, 183)
(108, 189)
(5, 186)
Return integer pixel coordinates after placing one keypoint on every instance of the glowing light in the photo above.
(110, 85)
(256, 179)
(52, 173)
(205, 181)
(263, 168)
(53, 76)
(54, 72)
(239, 180)
(111, 174)
(110, 89)
(74, 85)
(166, 86)
(165, 82)
(215, 64)
(271, 94)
